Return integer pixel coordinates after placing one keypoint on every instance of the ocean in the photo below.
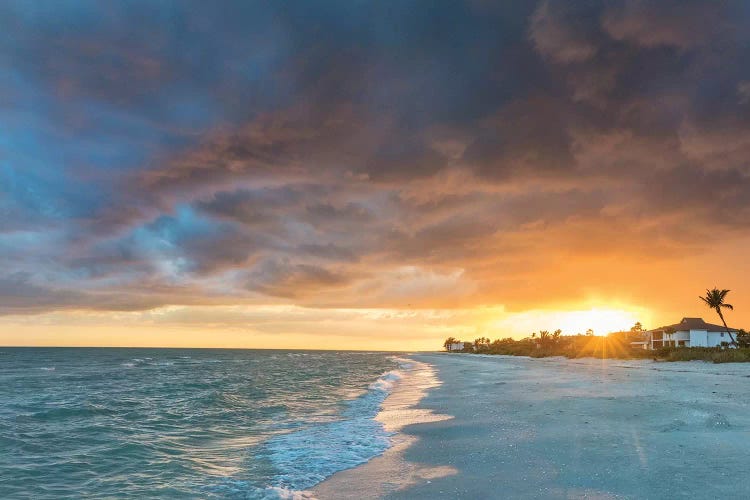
(186, 423)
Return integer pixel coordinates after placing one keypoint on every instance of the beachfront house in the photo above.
(690, 332)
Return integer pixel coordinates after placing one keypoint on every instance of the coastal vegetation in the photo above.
(615, 345)
(619, 345)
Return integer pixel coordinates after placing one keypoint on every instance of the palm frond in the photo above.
(715, 298)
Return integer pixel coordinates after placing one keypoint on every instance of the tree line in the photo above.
(615, 345)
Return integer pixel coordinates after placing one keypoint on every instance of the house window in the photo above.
(722, 334)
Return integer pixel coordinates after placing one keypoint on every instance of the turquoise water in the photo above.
(185, 423)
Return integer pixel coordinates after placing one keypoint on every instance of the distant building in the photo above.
(690, 332)
(641, 344)
(635, 338)
(460, 346)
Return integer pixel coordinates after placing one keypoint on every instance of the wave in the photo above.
(306, 457)
(386, 381)
(235, 489)
(62, 413)
(278, 493)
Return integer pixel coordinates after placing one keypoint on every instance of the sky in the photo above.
(368, 175)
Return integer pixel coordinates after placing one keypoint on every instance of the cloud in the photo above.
(282, 278)
(20, 294)
(530, 137)
(352, 156)
(681, 24)
(743, 92)
(560, 33)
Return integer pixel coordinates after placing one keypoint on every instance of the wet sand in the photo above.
(513, 427)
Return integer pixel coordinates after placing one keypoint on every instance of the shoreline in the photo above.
(399, 410)
(521, 427)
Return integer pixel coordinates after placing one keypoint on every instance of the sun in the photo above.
(601, 320)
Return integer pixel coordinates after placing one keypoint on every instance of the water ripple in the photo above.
(143, 423)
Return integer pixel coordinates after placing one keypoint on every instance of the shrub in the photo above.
(713, 354)
(582, 346)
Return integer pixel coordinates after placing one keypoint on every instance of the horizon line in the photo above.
(207, 348)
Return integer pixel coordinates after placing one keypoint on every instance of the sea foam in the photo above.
(308, 456)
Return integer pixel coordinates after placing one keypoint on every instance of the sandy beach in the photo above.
(513, 427)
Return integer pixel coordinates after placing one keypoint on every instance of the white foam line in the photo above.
(311, 455)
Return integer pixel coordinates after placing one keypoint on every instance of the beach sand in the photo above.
(513, 427)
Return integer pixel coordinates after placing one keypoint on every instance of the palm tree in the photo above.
(556, 335)
(715, 300)
(481, 343)
(543, 336)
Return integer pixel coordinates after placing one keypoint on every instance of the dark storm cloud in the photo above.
(20, 294)
(282, 278)
(184, 151)
(526, 138)
(671, 23)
